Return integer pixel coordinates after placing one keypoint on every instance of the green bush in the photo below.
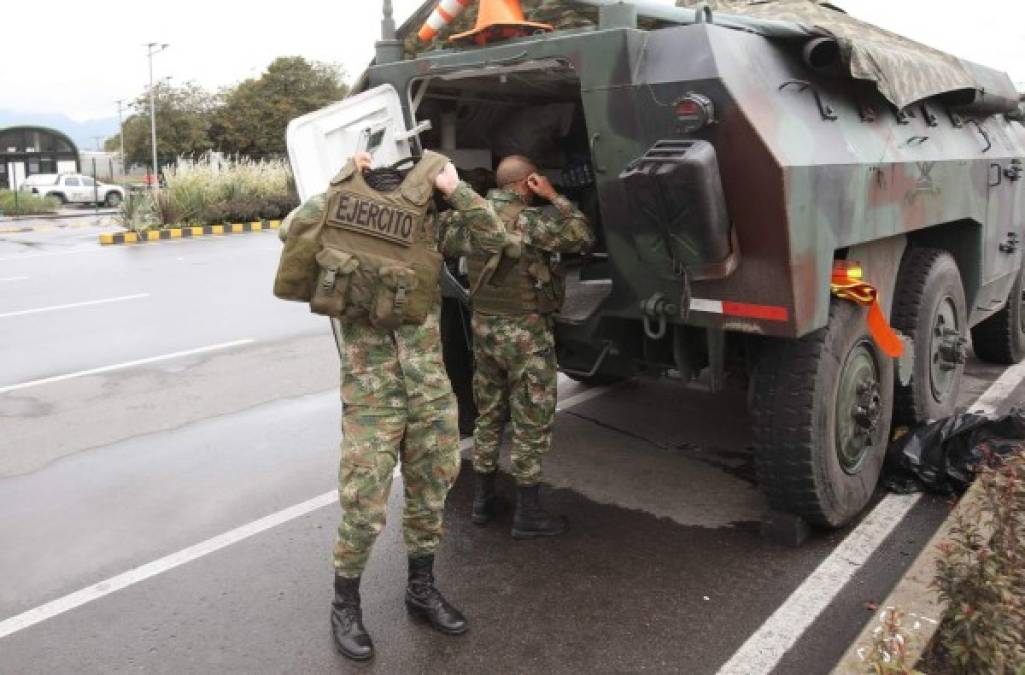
(981, 577)
(25, 204)
(211, 192)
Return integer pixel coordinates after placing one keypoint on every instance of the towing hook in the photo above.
(657, 308)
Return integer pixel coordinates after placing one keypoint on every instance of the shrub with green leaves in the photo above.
(213, 191)
(23, 203)
(981, 578)
(136, 212)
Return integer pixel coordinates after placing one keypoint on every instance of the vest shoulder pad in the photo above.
(345, 173)
(419, 184)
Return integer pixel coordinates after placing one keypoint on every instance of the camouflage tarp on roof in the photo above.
(905, 71)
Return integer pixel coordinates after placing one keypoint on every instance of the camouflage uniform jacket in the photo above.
(569, 233)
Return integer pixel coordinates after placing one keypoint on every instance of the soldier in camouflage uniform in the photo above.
(514, 345)
(398, 408)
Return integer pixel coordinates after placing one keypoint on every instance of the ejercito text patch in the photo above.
(362, 215)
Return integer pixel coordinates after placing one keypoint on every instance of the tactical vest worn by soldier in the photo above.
(374, 254)
(531, 284)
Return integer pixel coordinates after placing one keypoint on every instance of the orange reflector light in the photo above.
(847, 284)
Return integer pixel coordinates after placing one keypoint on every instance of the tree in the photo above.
(254, 114)
(183, 123)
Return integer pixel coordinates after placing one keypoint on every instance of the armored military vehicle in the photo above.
(742, 169)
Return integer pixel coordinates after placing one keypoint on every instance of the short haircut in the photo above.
(513, 169)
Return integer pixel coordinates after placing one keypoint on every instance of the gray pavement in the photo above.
(662, 571)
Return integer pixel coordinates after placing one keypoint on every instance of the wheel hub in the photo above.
(946, 350)
(866, 410)
(859, 407)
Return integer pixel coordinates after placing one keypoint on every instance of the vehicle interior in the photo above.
(479, 116)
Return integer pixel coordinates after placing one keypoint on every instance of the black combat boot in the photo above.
(484, 501)
(530, 519)
(426, 601)
(351, 638)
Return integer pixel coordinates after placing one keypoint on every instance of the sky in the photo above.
(90, 55)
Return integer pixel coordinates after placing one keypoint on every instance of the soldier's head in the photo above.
(512, 173)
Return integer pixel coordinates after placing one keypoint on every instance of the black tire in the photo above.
(113, 199)
(929, 295)
(456, 341)
(59, 197)
(796, 410)
(1001, 337)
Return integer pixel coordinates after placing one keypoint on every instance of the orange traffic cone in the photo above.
(443, 14)
(499, 19)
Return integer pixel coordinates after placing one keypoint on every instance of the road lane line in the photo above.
(1001, 388)
(15, 279)
(126, 364)
(30, 256)
(116, 583)
(765, 648)
(161, 565)
(72, 305)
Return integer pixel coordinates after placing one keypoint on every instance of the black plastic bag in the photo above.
(943, 456)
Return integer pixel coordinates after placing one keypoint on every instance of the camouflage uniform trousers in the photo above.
(515, 376)
(398, 406)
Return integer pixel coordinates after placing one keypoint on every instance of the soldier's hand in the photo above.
(541, 186)
(448, 180)
(362, 160)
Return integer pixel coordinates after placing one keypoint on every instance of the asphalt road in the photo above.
(191, 469)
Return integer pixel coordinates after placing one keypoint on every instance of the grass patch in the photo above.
(23, 204)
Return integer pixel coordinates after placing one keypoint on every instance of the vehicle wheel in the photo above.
(929, 306)
(1001, 337)
(456, 341)
(822, 409)
(59, 197)
(113, 199)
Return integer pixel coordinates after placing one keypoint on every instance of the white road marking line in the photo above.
(126, 364)
(116, 583)
(87, 303)
(15, 279)
(151, 569)
(30, 256)
(764, 649)
(1001, 388)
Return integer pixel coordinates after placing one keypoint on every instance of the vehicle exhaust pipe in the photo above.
(822, 55)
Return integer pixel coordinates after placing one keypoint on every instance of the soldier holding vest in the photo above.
(514, 345)
(369, 256)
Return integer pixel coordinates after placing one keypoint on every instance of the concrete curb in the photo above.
(187, 232)
(914, 596)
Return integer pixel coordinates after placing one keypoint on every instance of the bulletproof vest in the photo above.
(378, 256)
(530, 284)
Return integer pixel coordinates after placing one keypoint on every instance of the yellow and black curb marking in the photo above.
(187, 232)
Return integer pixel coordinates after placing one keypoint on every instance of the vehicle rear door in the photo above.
(320, 142)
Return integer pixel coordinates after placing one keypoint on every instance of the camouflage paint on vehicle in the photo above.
(811, 166)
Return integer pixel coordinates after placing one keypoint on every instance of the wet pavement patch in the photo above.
(621, 591)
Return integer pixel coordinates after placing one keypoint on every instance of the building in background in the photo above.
(29, 150)
(105, 166)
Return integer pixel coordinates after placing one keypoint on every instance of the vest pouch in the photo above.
(331, 294)
(546, 286)
(394, 293)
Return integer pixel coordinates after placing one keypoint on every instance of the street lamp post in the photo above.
(151, 49)
(121, 134)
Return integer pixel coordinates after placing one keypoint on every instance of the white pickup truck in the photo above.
(72, 188)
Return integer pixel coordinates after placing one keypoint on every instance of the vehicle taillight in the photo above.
(694, 112)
